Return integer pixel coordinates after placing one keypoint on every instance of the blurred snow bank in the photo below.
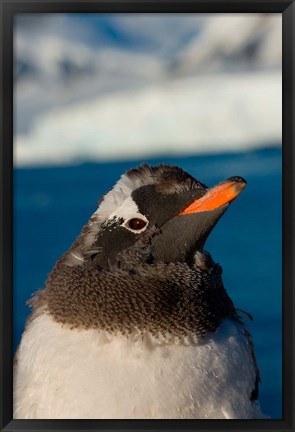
(216, 113)
(110, 86)
(235, 42)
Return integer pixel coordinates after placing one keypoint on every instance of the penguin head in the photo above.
(161, 214)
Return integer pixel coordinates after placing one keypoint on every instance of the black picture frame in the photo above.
(8, 9)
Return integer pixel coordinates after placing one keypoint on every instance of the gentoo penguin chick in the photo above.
(134, 320)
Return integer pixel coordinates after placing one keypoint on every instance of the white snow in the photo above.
(196, 83)
(235, 41)
(224, 112)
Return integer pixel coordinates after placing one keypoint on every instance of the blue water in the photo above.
(52, 204)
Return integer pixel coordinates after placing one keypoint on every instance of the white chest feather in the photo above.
(70, 374)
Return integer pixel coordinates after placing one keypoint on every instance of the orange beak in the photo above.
(217, 196)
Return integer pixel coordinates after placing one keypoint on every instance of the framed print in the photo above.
(147, 215)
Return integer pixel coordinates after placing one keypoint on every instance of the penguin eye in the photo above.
(136, 224)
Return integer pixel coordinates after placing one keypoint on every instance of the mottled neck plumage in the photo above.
(160, 299)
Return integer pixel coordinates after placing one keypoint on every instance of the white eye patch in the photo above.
(128, 211)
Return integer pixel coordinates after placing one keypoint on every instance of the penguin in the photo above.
(134, 321)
